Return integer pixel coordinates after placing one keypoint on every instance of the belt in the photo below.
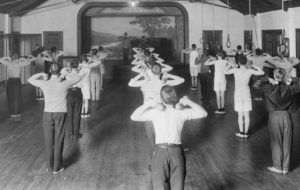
(168, 145)
(74, 88)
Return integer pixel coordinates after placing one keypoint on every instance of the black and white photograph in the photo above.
(149, 94)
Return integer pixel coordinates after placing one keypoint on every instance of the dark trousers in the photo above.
(280, 127)
(54, 132)
(47, 67)
(206, 85)
(168, 168)
(150, 134)
(126, 56)
(256, 93)
(74, 106)
(13, 92)
(268, 71)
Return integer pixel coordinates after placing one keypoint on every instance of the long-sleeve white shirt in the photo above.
(54, 91)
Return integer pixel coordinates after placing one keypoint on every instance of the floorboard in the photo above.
(112, 154)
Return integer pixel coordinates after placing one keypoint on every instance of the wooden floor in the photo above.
(112, 155)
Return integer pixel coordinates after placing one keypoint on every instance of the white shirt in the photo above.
(168, 124)
(258, 61)
(220, 66)
(242, 77)
(151, 88)
(14, 67)
(193, 55)
(55, 92)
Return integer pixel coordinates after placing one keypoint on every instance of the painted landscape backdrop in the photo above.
(108, 31)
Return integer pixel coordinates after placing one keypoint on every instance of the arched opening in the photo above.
(100, 23)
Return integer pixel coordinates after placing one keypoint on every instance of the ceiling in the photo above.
(19, 7)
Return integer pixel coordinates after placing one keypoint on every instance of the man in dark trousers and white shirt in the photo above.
(55, 92)
(168, 161)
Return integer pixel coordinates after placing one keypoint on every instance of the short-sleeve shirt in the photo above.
(193, 55)
(242, 77)
(220, 66)
(258, 61)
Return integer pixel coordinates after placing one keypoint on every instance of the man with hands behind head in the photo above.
(55, 92)
(168, 161)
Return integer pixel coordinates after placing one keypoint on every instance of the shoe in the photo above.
(274, 170)
(222, 111)
(39, 98)
(83, 115)
(285, 171)
(218, 111)
(246, 135)
(193, 88)
(186, 149)
(258, 98)
(87, 115)
(242, 135)
(59, 171)
(15, 115)
(239, 134)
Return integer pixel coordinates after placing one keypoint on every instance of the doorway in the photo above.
(270, 41)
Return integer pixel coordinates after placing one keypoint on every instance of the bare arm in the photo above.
(196, 111)
(175, 80)
(135, 82)
(210, 61)
(143, 113)
(138, 68)
(166, 68)
(257, 71)
(72, 79)
(230, 69)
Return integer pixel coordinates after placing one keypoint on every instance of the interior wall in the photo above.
(275, 20)
(215, 18)
(63, 17)
(2, 22)
(56, 16)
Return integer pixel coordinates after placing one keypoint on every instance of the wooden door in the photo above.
(53, 39)
(270, 41)
(214, 38)
(248, 40)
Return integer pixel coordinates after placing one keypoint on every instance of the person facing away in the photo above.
(238, 53)
(74, 98)
(14, 68)
(220, 63)
(279, 93)
(242, 95)
(194, 69)
(168, 162)
(55, 110)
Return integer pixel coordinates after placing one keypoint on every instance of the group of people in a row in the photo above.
(256, 75)
(66, 91)
(167, 112)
